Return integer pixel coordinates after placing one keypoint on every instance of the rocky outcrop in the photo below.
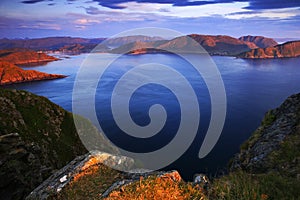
(286, 50)
(275, 145)
(91, 172)
(37, 138)
(10, 73)
(77, 168)
(24, 57)
(259, 41)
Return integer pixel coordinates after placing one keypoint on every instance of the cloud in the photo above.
(92, 10)
(84, 21)
(32, 1)
(253, 4)
(278, 14)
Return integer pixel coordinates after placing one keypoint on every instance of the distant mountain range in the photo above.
(244, 47)
(59, 43)
(214, 45)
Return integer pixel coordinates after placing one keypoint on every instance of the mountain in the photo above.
(214, 45)
(260, 41)
(24, 56)
(48, 43)
(222, 44)
(118, 41)
(286, 50)
(71, 44)
(82, 48)
(10, 73)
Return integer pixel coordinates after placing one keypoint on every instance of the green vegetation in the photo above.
(38, 120)
(267, 121)
(243, 186)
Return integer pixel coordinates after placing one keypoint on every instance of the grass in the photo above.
(89, 184)
(243, 186)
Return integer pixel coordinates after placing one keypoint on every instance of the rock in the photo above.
(201, 179)
(275, 145)
(75, 169)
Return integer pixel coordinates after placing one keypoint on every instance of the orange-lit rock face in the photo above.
(24, 57)
(10, 73)
(286, 50)
(167, 186)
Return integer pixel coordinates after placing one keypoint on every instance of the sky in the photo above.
(104, 18)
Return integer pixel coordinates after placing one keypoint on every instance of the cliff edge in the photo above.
(37, 137)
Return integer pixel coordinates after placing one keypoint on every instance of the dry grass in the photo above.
(168, 186)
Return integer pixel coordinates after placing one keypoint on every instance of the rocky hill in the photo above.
(82, 48)
(259, 41)
(10, 73)
(37, 137)
(24, 56)
(286, 50)
(118, 41)
(275, 145)
(214, 45)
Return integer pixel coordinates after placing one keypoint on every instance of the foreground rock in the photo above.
(10, 73)
(286, 50)
(81, 166)
(89, 177)
(37, 138)
(275, 145)
(24, 57)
